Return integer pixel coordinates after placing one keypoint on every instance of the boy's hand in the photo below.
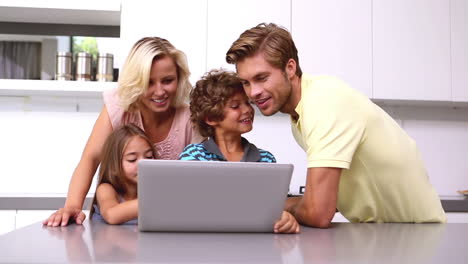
(287, 224)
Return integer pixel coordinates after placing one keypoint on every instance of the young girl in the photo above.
(151, 94)
(222, 112)
(115, 200)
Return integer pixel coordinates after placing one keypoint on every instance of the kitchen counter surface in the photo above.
(343, 243)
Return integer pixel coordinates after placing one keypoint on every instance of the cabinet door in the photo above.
(411, 49)
(27, 217)
(457, 217)
(459, 36)
(228, 19)
(181, 22)
(334, 37)
(7, 221)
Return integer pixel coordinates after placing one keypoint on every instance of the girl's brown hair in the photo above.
(111, 169)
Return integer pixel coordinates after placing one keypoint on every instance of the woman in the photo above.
(153, 87)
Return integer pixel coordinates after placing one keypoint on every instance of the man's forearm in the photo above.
(303, 215)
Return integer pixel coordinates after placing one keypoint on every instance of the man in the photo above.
(359, 160)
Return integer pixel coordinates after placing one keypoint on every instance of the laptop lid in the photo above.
(212, 196)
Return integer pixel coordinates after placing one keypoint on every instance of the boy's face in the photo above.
(238, 116)
(137, 148)
(268, 87)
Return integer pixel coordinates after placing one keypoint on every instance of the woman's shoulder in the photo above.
(183, 110)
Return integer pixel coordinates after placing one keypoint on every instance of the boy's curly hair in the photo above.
(209, 96)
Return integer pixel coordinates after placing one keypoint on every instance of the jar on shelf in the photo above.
(63, 66)
(83, 66)
(105, 67)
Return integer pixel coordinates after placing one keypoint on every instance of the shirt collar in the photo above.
(251, 153)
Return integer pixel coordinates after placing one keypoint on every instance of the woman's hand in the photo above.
(287, 224)
(64, 215)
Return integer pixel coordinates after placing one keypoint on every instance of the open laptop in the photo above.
(212, 196)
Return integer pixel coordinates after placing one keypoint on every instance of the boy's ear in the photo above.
(210, 122)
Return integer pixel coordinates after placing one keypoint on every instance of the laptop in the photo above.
(211, 196)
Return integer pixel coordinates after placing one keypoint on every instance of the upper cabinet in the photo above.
(411, 49)
(84, 12)
(227, 20)
(459, 37)
(334, 37)
(181, 22)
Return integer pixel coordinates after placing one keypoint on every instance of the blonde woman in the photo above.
(151, 94)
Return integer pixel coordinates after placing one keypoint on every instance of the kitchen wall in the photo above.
(409, 56)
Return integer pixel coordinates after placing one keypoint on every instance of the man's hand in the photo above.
(287, 224)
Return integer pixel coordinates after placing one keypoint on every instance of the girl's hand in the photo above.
(287, 224)
(65, 215)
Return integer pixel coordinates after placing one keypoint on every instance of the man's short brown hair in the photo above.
(273, 41)
(209, 96)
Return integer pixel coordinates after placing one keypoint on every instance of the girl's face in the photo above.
(162, 86)
(238, 115)
(137, 148)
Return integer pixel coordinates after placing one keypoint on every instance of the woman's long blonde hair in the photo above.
(134, 77)
(111, 169)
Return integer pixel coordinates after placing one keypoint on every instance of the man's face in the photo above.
(267, 86)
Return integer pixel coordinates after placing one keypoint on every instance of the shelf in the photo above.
(53, 88)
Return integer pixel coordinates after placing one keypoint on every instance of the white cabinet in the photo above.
(459, 37)
(27, 217)
(335, 38)
(411, 49)
(181, 22)
(84, 12)
(7, 221)
(457, 217)
(227, 20)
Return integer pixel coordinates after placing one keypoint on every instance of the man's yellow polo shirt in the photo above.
(383, 177)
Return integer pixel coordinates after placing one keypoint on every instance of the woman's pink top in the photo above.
(181, 134)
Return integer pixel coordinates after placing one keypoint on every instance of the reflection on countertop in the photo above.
(342, 243)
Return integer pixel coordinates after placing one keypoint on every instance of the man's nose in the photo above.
(255, 91)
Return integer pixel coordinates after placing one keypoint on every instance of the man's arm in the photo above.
(318, 205)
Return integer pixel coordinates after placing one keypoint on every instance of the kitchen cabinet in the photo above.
(335, 38)
(457, 217)
(84, 12)
(181, 22)
(411, 50)
(7, 221)
(226, 21)
(459, 41)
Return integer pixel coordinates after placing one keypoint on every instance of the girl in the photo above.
(222, 112)
(152, 90)
(115, 200)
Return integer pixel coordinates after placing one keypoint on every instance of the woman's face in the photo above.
(162, 86)
(137, 148)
